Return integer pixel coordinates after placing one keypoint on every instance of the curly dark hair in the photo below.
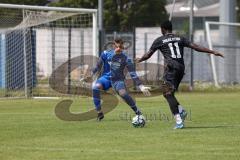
(167, 25)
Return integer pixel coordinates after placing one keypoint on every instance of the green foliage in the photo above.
(238, 10)
(76, 3)
(128, 13)
(118, 14)
(26, 2)
(123, 14)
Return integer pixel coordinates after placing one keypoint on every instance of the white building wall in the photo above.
(44, 44)
(81, 41)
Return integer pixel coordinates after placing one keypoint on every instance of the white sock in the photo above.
(180, 108)
(178, 118)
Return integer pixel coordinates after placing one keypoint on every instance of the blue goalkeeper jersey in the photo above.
(114, 65)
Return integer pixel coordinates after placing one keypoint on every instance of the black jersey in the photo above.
(171, 47)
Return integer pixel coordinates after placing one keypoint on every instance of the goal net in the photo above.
(36, 41)
(225, 38)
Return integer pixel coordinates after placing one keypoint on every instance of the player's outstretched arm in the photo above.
(203, 49)
(145, 57)
(93, 73)
(98, 66)
(135, 78)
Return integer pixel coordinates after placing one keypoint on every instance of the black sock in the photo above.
(173, 103)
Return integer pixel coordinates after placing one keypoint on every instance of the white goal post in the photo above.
(225, 34)
(28, 34)
(79, 10)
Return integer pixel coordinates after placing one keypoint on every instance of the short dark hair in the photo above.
(118, 40)
(167, 25)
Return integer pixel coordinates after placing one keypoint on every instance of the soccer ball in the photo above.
(138, 121)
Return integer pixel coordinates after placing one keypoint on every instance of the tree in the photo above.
(128, 13)
(26, 2)
(76, 3)
(118, 14)
(122, 14)
(238, 10)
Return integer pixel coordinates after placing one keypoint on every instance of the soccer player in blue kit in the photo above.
(114, 62)
(171, 46)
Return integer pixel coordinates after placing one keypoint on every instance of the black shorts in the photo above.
(173, 75)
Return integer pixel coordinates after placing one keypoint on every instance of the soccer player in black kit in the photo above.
(172, 47)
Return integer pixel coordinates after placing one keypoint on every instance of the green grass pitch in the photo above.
(30, 130)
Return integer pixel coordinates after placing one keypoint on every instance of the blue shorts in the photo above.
(106, 83)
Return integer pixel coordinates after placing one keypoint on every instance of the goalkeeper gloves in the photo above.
(144, 90)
